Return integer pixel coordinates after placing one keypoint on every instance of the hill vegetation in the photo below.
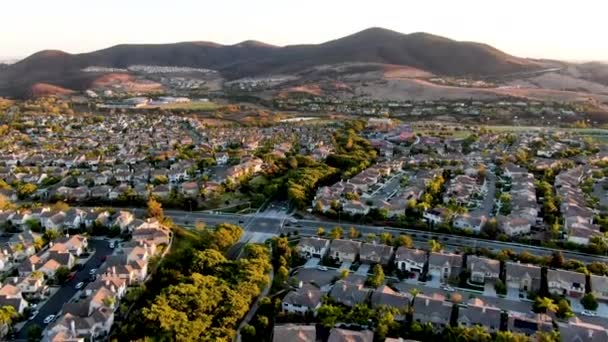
(419, 50)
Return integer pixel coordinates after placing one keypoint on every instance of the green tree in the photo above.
(336, 233)
(386, 238)
(371, 237)
(34, 333)
(353, 233)
(405, 241)
(589, 302)
(248, 331)
(508, 336)
(329, 315)
(155, 209)
(26, 190)
(360, 314)
(344, 274)
(225, 235)
(563, 309)
(61, 274)
(435, 246)
(320, 232)
(377, 277)
(545, 305)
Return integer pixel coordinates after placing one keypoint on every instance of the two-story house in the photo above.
(312, 247)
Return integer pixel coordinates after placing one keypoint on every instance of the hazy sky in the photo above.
(561, 29)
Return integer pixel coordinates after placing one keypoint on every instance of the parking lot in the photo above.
(68, 290)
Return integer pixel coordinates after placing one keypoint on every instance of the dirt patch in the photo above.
(45, 89)
(312, 89)
(399, 72)
(127, 82)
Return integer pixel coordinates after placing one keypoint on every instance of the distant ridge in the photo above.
(424, 51)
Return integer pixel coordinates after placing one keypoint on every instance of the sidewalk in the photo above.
(254, 307)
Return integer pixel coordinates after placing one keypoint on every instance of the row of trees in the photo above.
(197, 293)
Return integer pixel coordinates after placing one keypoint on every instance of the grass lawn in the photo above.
(204, 106)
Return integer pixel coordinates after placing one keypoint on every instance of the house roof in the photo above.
(415, 255)
(565, 276)
(440, 259)
(578, 331)
(307, 296)
(384, 295)
(345, 246)
(343, 335)
(518, 271)
(348, 293)
(481, 264)
(371, 250)
(479, 313)
(316, 243)
(294, 333)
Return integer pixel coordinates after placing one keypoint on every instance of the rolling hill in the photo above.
(439, 55)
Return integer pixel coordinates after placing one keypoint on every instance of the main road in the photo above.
(271, 223)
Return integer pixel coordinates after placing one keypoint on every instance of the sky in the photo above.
(558, 29)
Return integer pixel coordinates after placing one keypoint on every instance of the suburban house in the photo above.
(566, 283)
(348, 294)
(10, 295)
(344, 250)
(470, 222)
(304, 299)
(528, 323)
(599, 287)
(483, 269)
(75, 244)
(476, 312)
(576, 330)
(312, 247)
(294, 333)
(371, 253)
(442, 265)
(410, 260)
(343, 335)
(522, 277)
(436, 215)
(432, 309)
(29, 285)
(385, 296)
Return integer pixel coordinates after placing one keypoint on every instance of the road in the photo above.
(276, 225)
(269, 224)
(68, 290)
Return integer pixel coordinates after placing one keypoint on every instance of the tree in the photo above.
(386, 238)
(353, 233)
(329, 315)
(34, 333)
(61, 274)
(404, 241)
(336, 233)
(589, 302)
(225, 235)
(563, 309)
(377, 277)
(371, 237)
(545, 305)
(155, 209)
(490, 228)
(508, 336)
(360, 314)
(435, 246)
(320, 231)
(248, 331)
(26, 190)
(344, 274)
(557, 260)
(50, 235)
(500, 287)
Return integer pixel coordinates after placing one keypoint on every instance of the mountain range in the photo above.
(438, 55)
(53, 70)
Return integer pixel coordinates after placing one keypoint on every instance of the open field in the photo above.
(195, 105)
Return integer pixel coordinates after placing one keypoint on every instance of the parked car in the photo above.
(588, 313)
(92, 271)
(49, 319)
(112, 244)
(447, 288)
(79, 285)
(33, 315)
(322, 268)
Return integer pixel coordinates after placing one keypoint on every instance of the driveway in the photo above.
(312, 263)
(345, 266)
(362, 270)
(68, 290)
(488, 290)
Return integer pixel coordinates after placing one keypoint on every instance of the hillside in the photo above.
(422, 51)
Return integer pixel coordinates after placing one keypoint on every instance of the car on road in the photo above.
(49, 319)
(588, 313)
(447, 288)
(92, 271)
(322, 268)
(112, 244)
(33, 315)
(79, 285)
(71, 276)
